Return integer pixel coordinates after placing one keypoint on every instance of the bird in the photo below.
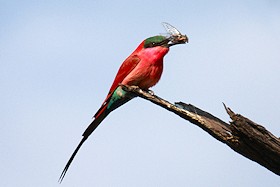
(143, 68)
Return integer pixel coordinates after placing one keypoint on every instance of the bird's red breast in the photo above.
(149, 68)
(142, 68)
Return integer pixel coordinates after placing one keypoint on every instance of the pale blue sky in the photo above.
(57, 62)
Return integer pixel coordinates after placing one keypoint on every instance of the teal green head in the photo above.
(156, 41)
(163, 41)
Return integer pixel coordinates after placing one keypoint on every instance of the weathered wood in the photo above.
(242, 135)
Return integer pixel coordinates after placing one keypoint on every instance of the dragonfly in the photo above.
(175, 35)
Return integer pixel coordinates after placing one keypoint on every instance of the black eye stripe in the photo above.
(153, 44)
(149, 44)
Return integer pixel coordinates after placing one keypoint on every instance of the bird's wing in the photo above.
(127, 66)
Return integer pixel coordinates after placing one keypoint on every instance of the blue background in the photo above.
(59, 58)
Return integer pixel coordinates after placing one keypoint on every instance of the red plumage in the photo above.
(143, 68)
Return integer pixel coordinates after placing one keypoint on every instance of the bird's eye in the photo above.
(151, 44)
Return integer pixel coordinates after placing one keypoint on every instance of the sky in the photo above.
(59, 58)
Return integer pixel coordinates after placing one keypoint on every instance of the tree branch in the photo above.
(241, 134)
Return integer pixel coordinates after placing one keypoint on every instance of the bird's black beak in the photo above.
(177, 39)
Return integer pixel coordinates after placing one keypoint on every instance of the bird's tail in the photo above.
(94, 124)
(108, 106)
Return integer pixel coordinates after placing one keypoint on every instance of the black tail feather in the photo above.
(86, 134)
(71, 159)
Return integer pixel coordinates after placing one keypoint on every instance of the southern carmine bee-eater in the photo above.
(143, 68)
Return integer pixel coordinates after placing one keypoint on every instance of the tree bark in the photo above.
(241, 134)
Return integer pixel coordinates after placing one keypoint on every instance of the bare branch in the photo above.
(242, 135)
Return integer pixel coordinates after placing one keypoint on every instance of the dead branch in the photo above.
(242, 135)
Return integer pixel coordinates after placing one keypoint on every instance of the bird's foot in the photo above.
(126, 87)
